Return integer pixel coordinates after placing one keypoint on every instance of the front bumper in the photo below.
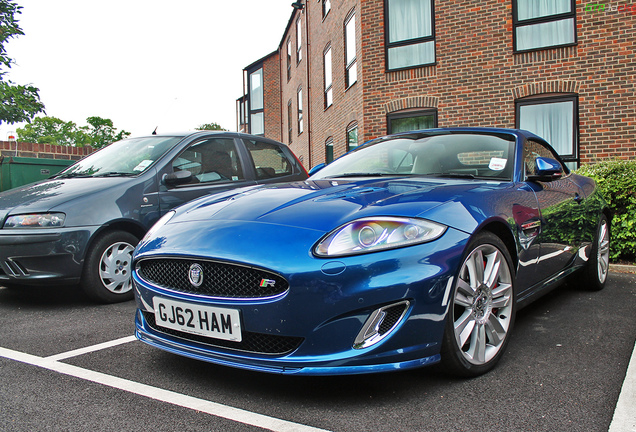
(324, 312)
(43, 256)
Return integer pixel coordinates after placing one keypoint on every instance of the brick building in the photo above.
(355, 70)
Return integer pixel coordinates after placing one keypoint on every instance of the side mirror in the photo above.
(177, 178)
(317, 168)
(546, 170)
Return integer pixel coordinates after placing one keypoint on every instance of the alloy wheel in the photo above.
(603, 248)
(482, 304)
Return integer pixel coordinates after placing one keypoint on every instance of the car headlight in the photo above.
(161, 222)
(378, 233)
(35, 220)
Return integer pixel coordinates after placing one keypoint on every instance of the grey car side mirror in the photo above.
(177, 178)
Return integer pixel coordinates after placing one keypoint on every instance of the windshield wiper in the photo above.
(452, 175)
(367, 174)
(72, 175)
(115, 174)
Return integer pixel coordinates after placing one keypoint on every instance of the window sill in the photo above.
(545, 48)
(420, 66)
(543, 54)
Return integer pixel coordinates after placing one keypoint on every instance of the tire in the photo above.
(106, 277)
(594, 273)
(481, 309)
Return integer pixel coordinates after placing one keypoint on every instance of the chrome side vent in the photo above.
(380, 324)
(15, 269)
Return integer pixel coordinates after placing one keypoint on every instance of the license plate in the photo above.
(213, 322)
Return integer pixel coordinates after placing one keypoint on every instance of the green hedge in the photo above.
(616, 180)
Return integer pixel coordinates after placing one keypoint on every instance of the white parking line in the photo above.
(212, 408)
(101, 346)
(625, 414)
(624, 419)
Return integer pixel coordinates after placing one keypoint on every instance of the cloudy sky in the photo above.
(143, 63)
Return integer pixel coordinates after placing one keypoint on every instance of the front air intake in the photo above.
(380, 324)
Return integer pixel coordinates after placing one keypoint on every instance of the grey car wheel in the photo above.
(114, 267)
(108, 265)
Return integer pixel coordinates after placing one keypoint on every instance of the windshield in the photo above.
(441, 154)
(128, 157)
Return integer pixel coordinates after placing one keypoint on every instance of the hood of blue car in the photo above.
(48, 194)
(324, 205)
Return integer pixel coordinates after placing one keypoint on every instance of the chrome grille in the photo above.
(221, 280)
(252, 342)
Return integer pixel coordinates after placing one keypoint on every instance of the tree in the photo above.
(18, 103)
(51, 130)
(210, 126)
(9, 28)
(101, 132)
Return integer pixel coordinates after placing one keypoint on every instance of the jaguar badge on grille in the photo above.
(195, 275)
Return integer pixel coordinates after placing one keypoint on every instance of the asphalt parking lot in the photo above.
(67, 364)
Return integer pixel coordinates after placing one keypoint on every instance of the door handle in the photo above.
(578, 198)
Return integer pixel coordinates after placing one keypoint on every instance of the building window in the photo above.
(328, 79)
(326, 7)
(300, 110)
(241, 105)
(289, 57)
(256, 90)
(351, 69)
(411, 121)
(299, 41)
(257, 119)
(555, 120)
(410, 39)
(257, 124)
(329, 150)
(289, 121)
(543, 24)
(352, 136)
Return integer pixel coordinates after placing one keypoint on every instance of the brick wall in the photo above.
(45, 151)
(347, 105)
(271, 97)
(478, 78)
(289, 89)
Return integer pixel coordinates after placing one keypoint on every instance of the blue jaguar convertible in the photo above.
(413, 249)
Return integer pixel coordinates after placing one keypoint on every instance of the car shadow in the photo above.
(49, 296)
(198, 377)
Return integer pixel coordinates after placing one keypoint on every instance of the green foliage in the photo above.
(101, 132)
(210, 126)
(51, 130)
(616, 179)
(18, 103)
(9, 28)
